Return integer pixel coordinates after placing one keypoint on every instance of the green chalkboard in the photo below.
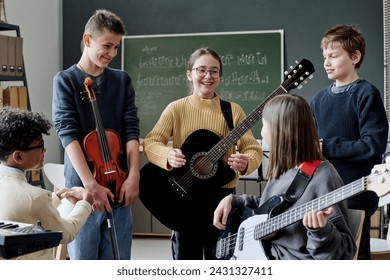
(252, 68)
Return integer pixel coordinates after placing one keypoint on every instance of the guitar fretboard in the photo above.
(293, 79)
(386, 26)
(293, 215)
(235, 134)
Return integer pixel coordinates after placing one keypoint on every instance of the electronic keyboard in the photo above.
(18, 239)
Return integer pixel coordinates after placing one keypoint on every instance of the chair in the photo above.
(355, 223)
(55, 174)
(380, 248)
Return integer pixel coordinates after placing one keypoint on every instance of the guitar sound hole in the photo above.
(202, 167)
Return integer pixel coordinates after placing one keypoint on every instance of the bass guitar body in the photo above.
(237, 241)
(176, 197)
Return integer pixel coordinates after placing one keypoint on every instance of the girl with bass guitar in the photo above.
(289, 130)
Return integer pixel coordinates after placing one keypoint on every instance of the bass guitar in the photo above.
(245, 229)
(176, 197)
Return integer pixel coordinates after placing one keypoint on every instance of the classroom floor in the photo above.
(151, 248)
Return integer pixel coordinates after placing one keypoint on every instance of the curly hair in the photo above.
(19, 128)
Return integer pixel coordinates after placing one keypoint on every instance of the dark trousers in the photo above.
(198, 242)
(364, 247)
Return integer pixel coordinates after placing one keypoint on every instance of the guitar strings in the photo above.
(233, 238)
(257, 232)
(214, 154)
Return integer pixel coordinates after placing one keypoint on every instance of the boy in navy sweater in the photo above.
(351, 119)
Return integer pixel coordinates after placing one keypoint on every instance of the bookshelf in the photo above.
(15, 75)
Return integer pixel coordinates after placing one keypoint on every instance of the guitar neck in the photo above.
(386, 26)
(293, 215)
(235, 134)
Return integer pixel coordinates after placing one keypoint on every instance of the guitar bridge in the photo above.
(178, 189)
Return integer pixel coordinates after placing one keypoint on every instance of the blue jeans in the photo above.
(93, 242)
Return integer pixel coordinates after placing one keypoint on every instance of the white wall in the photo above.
(40, 23)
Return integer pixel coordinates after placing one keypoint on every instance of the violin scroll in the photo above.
(88, 83)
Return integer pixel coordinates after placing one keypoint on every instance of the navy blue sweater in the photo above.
(354, 129)
(73, 115)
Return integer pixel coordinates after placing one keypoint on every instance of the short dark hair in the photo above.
(104, 19)
(19, 128)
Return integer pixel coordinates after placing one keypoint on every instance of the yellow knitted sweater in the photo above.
(184, 116)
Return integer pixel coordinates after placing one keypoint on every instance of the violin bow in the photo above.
(113, 236)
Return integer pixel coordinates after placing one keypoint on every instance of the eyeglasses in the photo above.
(202, 72)
(40, 146)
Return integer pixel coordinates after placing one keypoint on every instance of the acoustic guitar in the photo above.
(176, 197)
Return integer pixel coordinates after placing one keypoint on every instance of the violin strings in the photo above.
(103, 142)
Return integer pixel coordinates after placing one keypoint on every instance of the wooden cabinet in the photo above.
(12, 71)
(13, 81)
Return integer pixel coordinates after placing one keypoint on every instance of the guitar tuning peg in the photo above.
(299, 87)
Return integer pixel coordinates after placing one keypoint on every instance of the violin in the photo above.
(103, 148)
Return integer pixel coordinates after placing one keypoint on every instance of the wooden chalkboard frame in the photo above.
(253, 64)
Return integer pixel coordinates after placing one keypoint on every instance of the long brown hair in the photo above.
(293, 134)
(194, 56)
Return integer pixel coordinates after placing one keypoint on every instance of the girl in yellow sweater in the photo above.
(197, 120)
